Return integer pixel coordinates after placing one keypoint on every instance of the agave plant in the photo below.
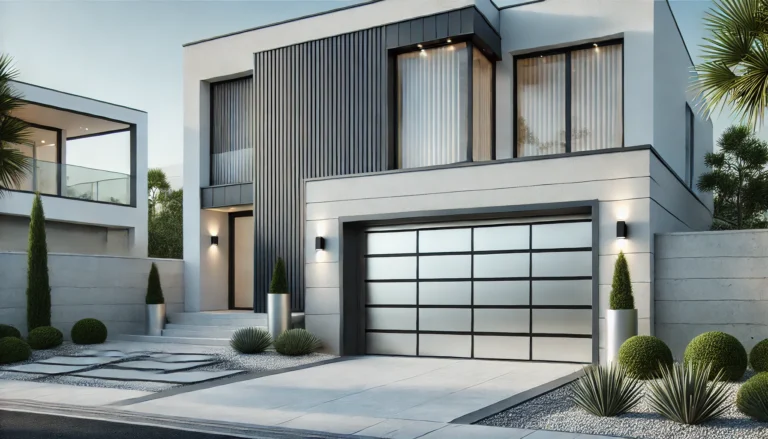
(606, 390)
(685, 394)
(297, 342)
(250, 340)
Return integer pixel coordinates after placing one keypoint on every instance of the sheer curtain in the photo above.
(541, 105)
(596, 98)
(433, 106)
(482, 106)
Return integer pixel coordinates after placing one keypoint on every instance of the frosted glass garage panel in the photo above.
(502, 292)
(576, 350)
(502, 320)
(445, 293)
(391, 243)
(390, 344)
(448, 320)
(502, 265)
(391, 318)
(502, 238)
(445, 240)
(502, 348)
(562, 292)
(562, 235)
(396, 267)
(562, 321)
(390, 293)
(439, 345)
(562, 264)
(445, 267)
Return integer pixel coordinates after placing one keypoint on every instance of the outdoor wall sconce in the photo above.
(214, 240)
(621, 229)
(319, 243)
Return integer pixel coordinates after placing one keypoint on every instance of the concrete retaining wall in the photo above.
(108, 288)
(711, 281)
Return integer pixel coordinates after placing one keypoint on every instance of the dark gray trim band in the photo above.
(239, 194)
(103, 133)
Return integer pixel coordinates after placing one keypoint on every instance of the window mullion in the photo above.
(568, 102)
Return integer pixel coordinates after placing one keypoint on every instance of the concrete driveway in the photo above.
(374, 396)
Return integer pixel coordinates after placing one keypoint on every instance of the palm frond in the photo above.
(14, 167)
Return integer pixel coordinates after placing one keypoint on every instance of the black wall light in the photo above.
(214, 240)
(621, 229)
(319, 243)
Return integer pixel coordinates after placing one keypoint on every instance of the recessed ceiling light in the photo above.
(594, 44)
(86, 129)
(419, 46)
(43, 141)
(448, 40)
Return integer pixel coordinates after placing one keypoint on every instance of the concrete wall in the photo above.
(711, 281)
(111, 289)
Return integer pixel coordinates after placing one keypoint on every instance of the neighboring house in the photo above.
(464, 165)
(90, 166)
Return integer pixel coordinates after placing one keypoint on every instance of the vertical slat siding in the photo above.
(232, 136)
(320, 110)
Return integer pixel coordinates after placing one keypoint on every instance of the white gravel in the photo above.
(554, 411)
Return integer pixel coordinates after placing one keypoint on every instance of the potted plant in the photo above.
(278, 302)
(155, 303)
(621, 317)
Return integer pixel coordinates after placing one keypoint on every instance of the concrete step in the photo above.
(200, 332)
(177, 340)
(218, 319)
(203, 327)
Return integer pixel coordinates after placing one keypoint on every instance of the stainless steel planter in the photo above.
(620, 325)
(155, 319)
(278, 313)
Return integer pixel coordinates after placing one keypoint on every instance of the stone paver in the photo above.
(160, 365)
(142, 375)
(79, 361)
(104, 353)
(46, 369)
(184, 358)
(64, 394)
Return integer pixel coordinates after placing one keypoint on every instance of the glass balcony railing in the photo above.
(78, 182)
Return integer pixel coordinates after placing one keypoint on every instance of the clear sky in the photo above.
(130, 52)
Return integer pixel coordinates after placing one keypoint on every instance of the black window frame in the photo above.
(689, 144)
(567, 51)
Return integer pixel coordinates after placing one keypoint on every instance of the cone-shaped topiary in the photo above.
(154, 290)
(13, 350)
(643, 356)
(722, 351)
(752, 398)
(758, 357)
(45, 337)
(621, 289)
(278, 285)
(297, 342)
(38, 288)
(9, 331)
(88, 331)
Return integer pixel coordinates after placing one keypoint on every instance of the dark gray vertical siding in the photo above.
(320, 110)
(232, 131)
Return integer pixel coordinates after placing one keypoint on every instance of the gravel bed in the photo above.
(146, 386)
(554, 411)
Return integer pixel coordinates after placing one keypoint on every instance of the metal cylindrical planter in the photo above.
(278, 313)
(620, 325)
(155, 319)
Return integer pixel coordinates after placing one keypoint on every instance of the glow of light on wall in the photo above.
(622, 213)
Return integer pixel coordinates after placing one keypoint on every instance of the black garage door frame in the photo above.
(352, 233)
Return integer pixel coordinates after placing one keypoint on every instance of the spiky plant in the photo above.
(279, 284)
(14, 165)
(250, 340)
(154, 289)
(38, 287)
(606, 390)
(621, 288)
(297, 342)
(684, 393)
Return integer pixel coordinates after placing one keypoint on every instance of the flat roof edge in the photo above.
(78, 96)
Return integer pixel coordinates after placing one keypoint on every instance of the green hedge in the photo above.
(13, 350)
(752, 398)
(89, 331)
(721, 350)
(9, 331)
(643, 356)
(45, 337)
(758, 357)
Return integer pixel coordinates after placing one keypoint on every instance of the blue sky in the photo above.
(129, 52)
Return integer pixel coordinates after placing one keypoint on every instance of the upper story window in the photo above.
(570, 100)
(444, 106)
(232, 120)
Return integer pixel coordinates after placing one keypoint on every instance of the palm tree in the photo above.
(14, 165)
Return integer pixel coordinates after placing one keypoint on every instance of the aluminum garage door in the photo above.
(514, 291)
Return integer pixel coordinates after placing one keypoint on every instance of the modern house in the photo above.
(89, 163)
(450, 178)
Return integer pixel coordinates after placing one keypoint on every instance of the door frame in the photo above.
(231, 258)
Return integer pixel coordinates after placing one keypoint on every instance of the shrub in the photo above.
(684, 394)
(89, 331)
(297, 342)
(154, 290)
(621, 288)
(250, 340)
(38, 288)
(643, 356)
(752, 398)
(758, 357)
(9, 331)
(722, 351)
(278, 285)
(13, 350)
(45, 337)
(606, 390)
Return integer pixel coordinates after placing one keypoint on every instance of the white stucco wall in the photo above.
(82, 212)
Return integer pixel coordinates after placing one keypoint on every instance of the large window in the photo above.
(444, 106)
(688, 146)
(570, 100)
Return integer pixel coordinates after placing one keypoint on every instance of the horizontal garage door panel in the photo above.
(519, 291)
